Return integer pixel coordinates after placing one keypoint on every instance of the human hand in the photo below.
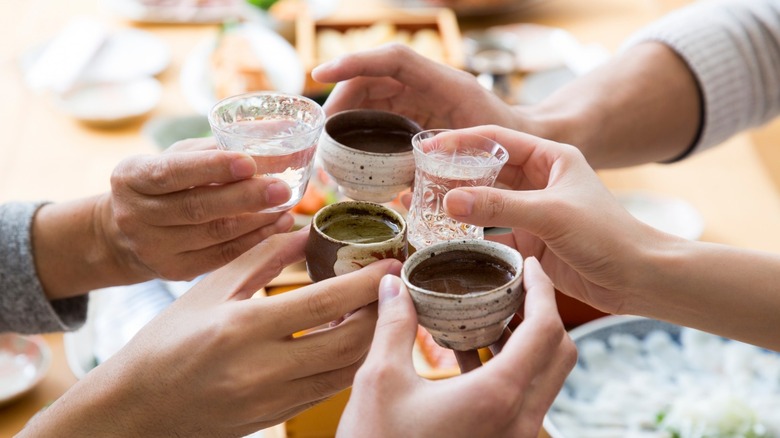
(508, 396)
(397, 79)
(216, 363)
(189, 210)
(560, 212)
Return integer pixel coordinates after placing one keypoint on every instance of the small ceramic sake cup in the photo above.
(350, 235)
(465, 291)
(369, 153)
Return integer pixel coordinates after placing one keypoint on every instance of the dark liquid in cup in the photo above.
(461, 272)
(383, 141)
(360, 228)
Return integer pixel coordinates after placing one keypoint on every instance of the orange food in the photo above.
(313, 200)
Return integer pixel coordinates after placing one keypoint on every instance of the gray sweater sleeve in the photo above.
(733, 49)
(24, 307)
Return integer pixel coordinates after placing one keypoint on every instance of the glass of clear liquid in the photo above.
(279, 130)
(446, 160)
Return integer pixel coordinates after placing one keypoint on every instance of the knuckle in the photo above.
(325, 305)
(351, 349)
(229, 251)
(193, 209)
(223, 228)
(494, 204)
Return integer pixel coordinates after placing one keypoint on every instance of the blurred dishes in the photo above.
(98, 77)
(266, 52)
(177, 11)
(108, 104)
(473, 8)
(639, 377)
(165, 131)
(671, 215)
(24, 361)
(127, 54)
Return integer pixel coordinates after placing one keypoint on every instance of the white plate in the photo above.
(128, 54)
(671, 215)
(283, 66)
(24, 361)
(111, 103)
(122, 56)
(631, 369)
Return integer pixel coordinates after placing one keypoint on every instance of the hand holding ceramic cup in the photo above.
(280, 131)
(369, 153)
(446, 160)
(465, 292)
(350, 235)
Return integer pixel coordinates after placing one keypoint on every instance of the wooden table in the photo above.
(46, 155)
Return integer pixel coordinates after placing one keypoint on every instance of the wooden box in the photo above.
(370, 27)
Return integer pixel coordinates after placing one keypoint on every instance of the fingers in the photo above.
(251, 271)
(331, 348)
(393, 60)
(204, 259)
(168, 173)
(540, 340)
(396, 326)
(326, 300)
(490, 207)
(199, 205)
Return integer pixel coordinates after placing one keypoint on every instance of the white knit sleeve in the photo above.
(733, 49)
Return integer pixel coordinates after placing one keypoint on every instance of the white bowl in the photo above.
(111, 103)
(24, 361)
(635, 376)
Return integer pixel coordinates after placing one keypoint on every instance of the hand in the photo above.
(190, 210)
(395, 78)
(508, 396)
(560, 212)
(216, 363)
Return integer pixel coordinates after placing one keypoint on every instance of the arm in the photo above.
(596, 252)
(681, 85)
(218, 362)
(508, 396)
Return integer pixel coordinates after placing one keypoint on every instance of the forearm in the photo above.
(75, 249)
(642, 106)
(731, 292)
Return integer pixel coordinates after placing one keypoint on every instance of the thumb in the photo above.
(491, 207)
(396, 327)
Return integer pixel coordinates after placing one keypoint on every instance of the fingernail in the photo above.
(389, 288)
(243, 167)
(285, 222)
(459, 203)
(277, 192)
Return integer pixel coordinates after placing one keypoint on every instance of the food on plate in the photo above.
(697, 386)
(235, 66)
(332, 43)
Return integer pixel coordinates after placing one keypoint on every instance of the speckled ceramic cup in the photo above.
(465, 291)
(369, 153)
(350, 235)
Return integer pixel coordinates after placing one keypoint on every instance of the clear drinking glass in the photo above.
(445, 160)
(280, 131)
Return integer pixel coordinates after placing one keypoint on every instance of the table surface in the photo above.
(46, 155)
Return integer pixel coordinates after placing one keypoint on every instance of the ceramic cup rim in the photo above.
(350, 112)
(439, 247)
(320, 116)
(417, 139)
(343, 204)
